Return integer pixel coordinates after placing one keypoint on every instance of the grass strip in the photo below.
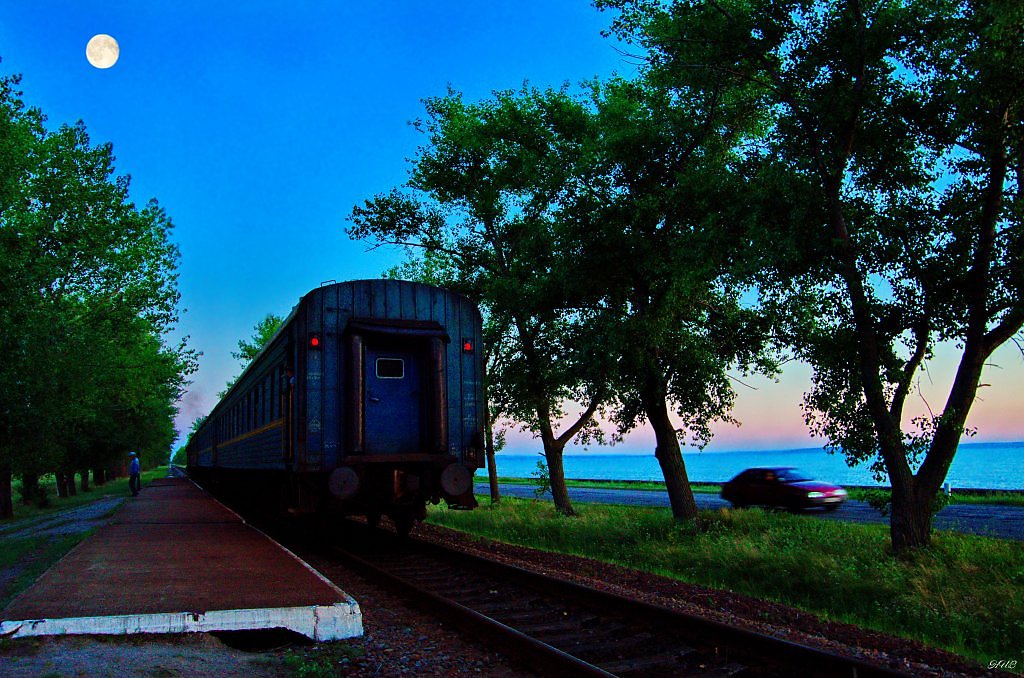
(965, 594)
(22, 561)
(57, 504)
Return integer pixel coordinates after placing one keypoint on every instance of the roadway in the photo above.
(990, 520)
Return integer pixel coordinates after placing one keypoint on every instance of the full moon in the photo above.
(102, 51)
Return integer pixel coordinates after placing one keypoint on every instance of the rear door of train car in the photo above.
(394, 397)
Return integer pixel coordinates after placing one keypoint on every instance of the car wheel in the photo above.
(739, 505)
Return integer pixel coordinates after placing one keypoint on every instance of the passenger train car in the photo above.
(367, 401)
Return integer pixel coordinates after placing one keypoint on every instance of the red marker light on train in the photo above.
(467, 347)
(314, 341)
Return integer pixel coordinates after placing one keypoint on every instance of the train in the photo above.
(368, 400)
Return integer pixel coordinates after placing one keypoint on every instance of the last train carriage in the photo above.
(367, 401)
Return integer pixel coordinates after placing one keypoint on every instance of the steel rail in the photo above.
(764, 654)
(523, 648)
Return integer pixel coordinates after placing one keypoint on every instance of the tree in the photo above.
(482, 194)
(20, 129)
(887, 189)
(262, 332)
(90, 289)
(655, 219)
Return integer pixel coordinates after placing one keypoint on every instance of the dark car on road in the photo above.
(781, 486)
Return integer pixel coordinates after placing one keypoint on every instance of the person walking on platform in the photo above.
(134, 477)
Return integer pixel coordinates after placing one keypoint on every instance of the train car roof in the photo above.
(294, 311)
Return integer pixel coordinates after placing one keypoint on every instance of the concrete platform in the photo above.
(174, 560)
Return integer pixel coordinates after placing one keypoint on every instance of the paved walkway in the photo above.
(175, 560)
(1006, 522)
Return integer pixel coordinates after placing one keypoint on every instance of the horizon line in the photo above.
(633, 451)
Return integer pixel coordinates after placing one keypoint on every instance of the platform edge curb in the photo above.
(316, 622)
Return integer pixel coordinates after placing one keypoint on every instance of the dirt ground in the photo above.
(188, 655)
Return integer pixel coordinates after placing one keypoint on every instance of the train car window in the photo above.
(274, 381)
(390, 368)
(261, 411)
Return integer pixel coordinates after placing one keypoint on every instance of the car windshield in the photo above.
(792, 475)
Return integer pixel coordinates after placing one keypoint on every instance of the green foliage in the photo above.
(965, 594)
(884, 197)
(541, 478)
(881, 500)
(581, 223)
(878, 499)
(659, 222)
(1000, 498)
(90, 291)
(324, 659)
(480, 214)
(262, 332)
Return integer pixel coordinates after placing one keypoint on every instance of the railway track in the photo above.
(562, 628)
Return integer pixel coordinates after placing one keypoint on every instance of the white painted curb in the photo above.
(317, 622)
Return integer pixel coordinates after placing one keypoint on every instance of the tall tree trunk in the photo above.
(492, 468)
(911, 521)
(6, 503)
(85, 480)
(667, 451)
(554, 446)
(910, 525)
(553, 450)
(98, 477)
(29, 488)
(62, 485)
(72, 490)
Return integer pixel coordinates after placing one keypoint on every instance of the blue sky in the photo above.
(259, 125)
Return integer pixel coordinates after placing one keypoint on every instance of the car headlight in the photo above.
(815, 495)
(840, 493)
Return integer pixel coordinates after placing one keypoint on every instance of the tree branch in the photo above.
(571, 432)
(921, 334)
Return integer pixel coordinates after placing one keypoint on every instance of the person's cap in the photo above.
(132, 454)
